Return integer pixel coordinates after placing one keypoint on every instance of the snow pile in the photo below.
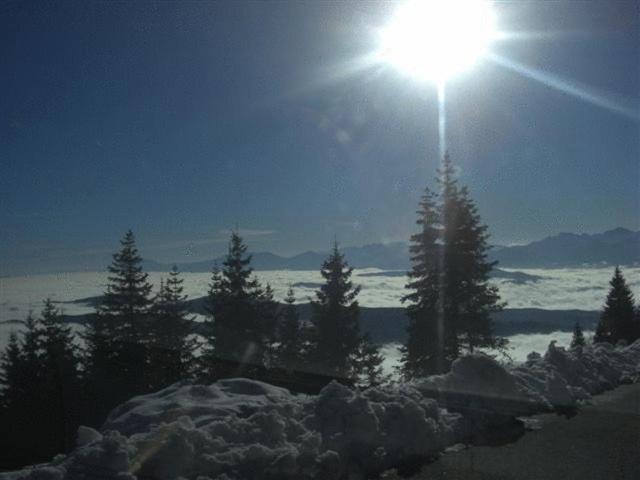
(479, 386)
(239, 429)
(244, 429)
(564, 377)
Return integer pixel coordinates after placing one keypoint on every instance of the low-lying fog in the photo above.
(551, 289)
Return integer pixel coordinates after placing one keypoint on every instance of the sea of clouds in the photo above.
(557, 289)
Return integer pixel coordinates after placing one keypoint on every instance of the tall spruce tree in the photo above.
(15, 405)
(423, 353)
(117, 337)
(335, 315)
(39, 408)
(171, 347)
(59, 365)
(617, 320)
(452, 299)
(242, 315)
(11, 381)
(29, 411)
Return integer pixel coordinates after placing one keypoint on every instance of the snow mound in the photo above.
(564, 377)
(240, 429)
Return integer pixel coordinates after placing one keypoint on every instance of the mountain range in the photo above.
(619, 246)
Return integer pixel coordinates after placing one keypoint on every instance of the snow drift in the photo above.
(242, 429)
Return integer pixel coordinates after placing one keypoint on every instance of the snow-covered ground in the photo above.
(240, 429)
(519, 347)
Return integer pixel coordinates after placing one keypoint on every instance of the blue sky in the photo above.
(183, 120)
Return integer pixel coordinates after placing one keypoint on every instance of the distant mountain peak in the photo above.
(619, 246)
(619, 231)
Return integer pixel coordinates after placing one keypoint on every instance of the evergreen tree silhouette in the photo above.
(11, 380)
(268, 311)
(335, 315)
(452, 300)
(25, 411)
(423, 353)
(170, 346)
(368, 370)
(39, 387)
(14, 391)
(290, 352)
(617, 317)
(242, 315)
(578, 337)
(60, 386)
(117, 336)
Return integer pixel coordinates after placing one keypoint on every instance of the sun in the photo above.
(436, 39)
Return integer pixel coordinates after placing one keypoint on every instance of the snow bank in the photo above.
(242, 429)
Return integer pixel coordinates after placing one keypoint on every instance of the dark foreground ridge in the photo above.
(389, 324)
(601, 442)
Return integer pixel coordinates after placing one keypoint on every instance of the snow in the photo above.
(239, 429)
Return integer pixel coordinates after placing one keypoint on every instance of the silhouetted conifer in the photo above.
(242, 315)
(423, 353)
(335, 316)
(368, 370)
(452, 300)
(16, 407)
(11, 381)
(117, 336)
(171, 346)
(60, 385)
(290, 351)
(617, 317)
(39, 380)
(578, 337)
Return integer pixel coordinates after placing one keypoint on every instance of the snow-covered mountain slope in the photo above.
(242, 429)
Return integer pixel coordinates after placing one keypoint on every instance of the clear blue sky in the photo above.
(182, 120)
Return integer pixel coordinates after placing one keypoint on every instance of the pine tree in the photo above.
(290, 353)
(578, 337)
(266, 323)
(617, 317)
(242, 317)
(11, 382)
(170, 345)
(423, 353)
(117, 336)
(468, 272)
(60, 380)
(38, 381)
(127, 299)
(33, 407)
(335, 315)
(368, 360)
(16, 407)
(452, 300)
(31, 345)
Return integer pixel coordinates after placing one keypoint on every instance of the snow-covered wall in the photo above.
(243, 429)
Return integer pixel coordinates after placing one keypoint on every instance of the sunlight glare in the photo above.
(437, 39)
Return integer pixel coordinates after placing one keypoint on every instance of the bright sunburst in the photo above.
(437, 39)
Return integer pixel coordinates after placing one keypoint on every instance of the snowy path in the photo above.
(601, 442)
